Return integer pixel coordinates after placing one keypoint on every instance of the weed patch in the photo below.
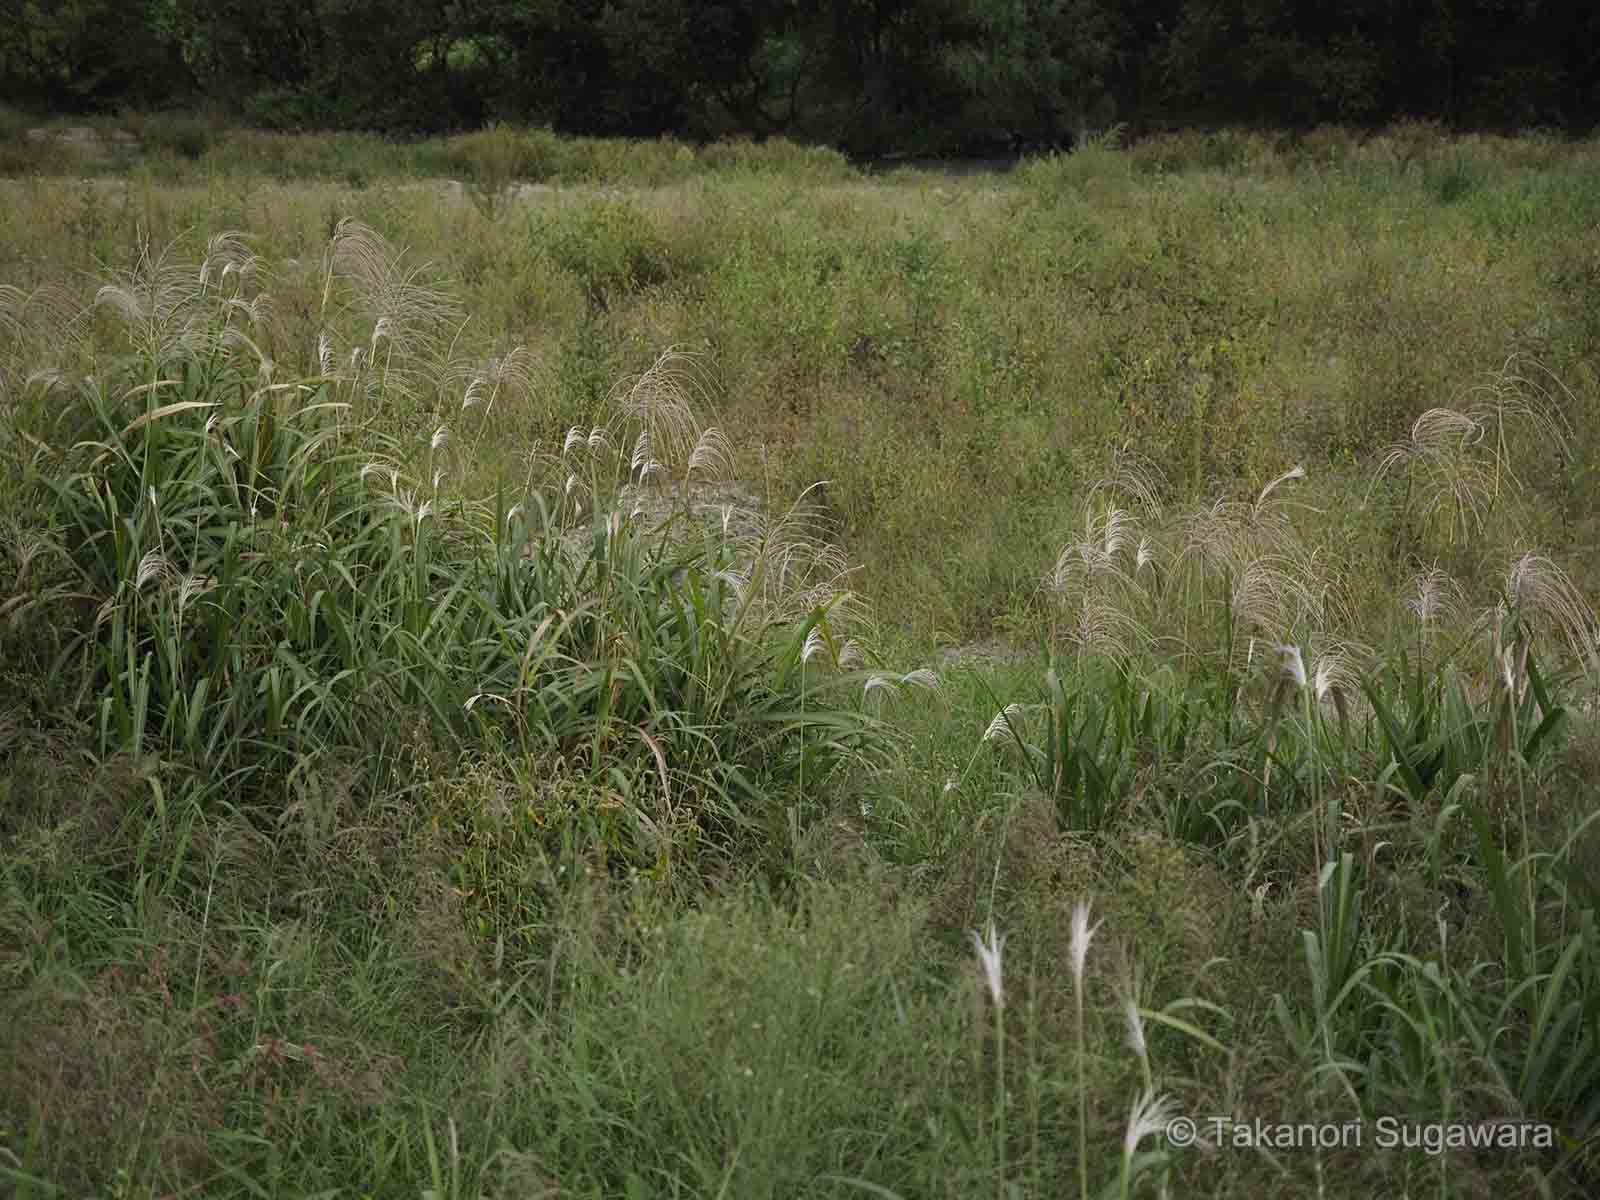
(479, 715)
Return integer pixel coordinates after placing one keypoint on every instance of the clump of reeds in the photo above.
(270, 574)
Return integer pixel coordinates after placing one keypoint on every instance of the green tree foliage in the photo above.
(871, 76)
(624, 66)
(327, 62)
(1484, 62)
(83, 53)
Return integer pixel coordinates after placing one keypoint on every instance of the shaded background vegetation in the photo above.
(870, 76)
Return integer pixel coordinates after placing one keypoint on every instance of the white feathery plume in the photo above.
(814, 642)
(990, 946)
(1082, 938)
(153, 566)
(1002, 723)
(1149, 1117)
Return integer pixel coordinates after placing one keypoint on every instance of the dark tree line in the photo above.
(868, 75)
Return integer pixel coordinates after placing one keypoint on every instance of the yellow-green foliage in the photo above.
(958, 356)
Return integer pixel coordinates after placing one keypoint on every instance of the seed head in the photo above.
(814, 643)
(1294, 666)
(1082, 937)
(153, 566)
(879, 681)
(1149, 1116)
(1002, 723)
(990, 945)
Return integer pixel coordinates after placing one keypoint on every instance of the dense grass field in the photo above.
(546, 668)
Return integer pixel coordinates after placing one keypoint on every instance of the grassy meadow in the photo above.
(541, 667)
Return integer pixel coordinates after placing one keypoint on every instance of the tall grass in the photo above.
(263, 582)
(449, 747)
